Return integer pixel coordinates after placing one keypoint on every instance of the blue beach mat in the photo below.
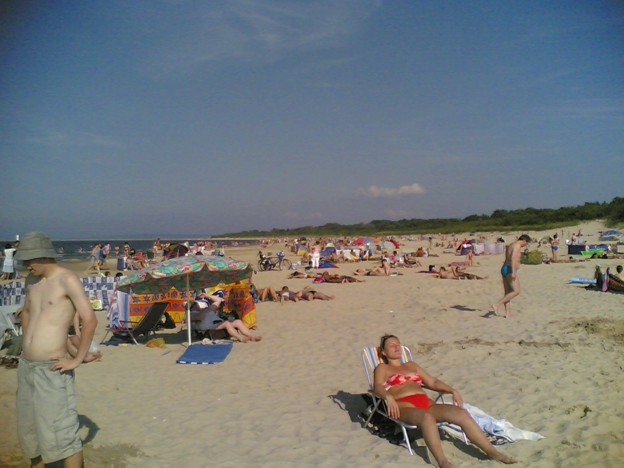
(205, 354)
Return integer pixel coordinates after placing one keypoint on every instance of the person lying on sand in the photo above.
(267, 294)
(456, 274)
(382, 270)
(309, 294)
(288, 295)
(302, 274)
(401, 386)
(327, 277)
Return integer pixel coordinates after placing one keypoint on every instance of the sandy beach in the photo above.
(293, 399)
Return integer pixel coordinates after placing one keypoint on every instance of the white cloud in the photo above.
(251, 30)
(385, 192)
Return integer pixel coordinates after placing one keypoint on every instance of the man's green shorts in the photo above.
(47, 420)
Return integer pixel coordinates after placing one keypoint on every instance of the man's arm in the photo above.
(75, 292)
(515, 259)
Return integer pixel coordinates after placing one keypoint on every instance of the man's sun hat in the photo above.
(35, 245)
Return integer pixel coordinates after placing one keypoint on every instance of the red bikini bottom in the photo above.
(419, 400)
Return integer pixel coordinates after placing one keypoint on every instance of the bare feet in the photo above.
(495, 308)
(256, 338)
(90, 357)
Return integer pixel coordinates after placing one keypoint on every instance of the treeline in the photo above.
(499, 220)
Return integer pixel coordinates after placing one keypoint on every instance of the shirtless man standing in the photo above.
(509, 272)
(47, 420)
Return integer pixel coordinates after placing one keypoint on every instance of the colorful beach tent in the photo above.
(185, 274)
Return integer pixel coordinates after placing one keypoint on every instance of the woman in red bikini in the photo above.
(401, 386)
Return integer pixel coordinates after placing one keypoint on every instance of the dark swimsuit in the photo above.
(506, 270)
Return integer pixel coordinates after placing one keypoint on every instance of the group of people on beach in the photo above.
(55, 301)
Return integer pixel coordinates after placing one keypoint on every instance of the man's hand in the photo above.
(64, 365)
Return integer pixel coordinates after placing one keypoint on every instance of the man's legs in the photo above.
(512, 289)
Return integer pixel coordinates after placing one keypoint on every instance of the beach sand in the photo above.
(293, 399)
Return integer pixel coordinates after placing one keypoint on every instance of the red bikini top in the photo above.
(399, 379)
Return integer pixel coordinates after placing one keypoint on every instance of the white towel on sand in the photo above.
(498, 428)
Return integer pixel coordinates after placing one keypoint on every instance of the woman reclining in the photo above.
(400, 385)
(205, 315)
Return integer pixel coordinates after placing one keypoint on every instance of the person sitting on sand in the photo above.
(401, 386)
(411, 260)
(73, 344)
(309, 294)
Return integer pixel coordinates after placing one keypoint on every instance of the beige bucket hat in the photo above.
(35, 245)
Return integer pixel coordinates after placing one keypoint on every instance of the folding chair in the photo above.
(149, 323)
(371, 359)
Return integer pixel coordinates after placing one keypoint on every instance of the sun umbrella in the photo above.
(185, 274)
(364, 241)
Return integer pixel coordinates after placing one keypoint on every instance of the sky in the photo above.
(196, 118)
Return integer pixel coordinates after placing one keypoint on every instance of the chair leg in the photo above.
(407, 441)
(108, 330)
(370, 416)
(133, 338)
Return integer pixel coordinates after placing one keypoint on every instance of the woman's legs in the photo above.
(428, 424)
(461, 417)
(243, 330)
(238, 330)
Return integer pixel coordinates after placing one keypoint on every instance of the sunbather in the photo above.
(207, 319)
(383, 270)
(309, 294)
(411, 260)
(457, 274)
(267, 294)
(400, 385)
(327, 277)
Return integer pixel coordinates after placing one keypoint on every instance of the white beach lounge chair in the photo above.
(371, 359)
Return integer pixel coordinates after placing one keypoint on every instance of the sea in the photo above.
(81, 249)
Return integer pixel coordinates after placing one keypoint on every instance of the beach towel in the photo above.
(205, 353)
(499, 431)
(118, 310)
(581, 280)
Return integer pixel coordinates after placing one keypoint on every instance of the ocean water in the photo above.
(81, 249)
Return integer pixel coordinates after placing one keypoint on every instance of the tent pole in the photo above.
(188, 309)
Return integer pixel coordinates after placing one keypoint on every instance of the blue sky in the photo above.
(195, 118)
